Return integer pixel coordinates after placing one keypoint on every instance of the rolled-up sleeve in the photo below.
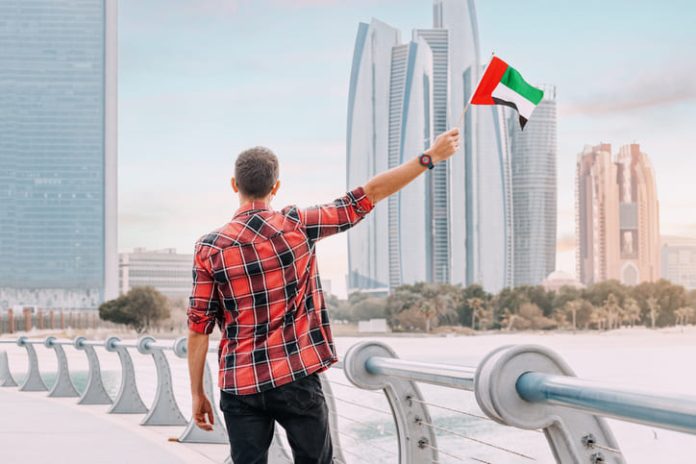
(204, 306)
(345, 212)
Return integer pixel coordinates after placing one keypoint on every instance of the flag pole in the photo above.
(460, 121)
(461, 116)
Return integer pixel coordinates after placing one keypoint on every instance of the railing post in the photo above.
(63, 387)
(417, 443)
(566, 430)
(6, 378)
(193, 433)
(333, 418)
(164, 410)
(33, 381)
(128, 400)
(94, 393)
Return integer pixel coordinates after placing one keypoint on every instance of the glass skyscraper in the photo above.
(454, 223)
(534, 153)
(58, 152)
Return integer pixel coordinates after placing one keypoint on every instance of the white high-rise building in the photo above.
(534, 153)
(455, 223)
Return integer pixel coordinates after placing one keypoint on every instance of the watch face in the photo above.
(425, 160)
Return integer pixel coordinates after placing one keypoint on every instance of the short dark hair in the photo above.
(256, 172)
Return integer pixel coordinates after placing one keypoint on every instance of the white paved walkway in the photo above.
(35, 429)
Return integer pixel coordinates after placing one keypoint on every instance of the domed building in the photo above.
(559, 279)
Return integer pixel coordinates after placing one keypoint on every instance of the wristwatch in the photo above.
(426, 161)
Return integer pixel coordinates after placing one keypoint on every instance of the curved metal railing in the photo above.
(527, 387)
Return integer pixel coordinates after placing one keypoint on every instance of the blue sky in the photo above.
(200, 80)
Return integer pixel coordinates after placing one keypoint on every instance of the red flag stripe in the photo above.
(491, 78)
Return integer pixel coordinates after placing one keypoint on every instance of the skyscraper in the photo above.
(534, 153)
(58, 153)
(617, 216)
(447, 226)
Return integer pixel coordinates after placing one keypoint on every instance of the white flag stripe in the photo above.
(524, 106)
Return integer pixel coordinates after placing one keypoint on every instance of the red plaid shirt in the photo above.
(257, 278)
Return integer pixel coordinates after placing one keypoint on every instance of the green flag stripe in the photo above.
(513, 80)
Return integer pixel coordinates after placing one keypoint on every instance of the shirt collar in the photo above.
(252, 207)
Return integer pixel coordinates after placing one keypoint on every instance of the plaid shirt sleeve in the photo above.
(204, 306)
(332, 218)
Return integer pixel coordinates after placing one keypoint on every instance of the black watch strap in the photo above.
(426, 161)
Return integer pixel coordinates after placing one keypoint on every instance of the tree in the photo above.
(338, 309)
(684, 315)
(464, 309)
(115, 311)
(613, 311)
(141, 308)
(476, 305)
(571, 308)
(369, 308)
(669, 297)
(598, 293)
(654, 308)
(631, 311)
(599, 317)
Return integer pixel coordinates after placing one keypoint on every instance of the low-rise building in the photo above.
(166, 270)
(679, 261)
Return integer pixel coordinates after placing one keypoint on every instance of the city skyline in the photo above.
(58, 159)
(454, 224)
(193, 97)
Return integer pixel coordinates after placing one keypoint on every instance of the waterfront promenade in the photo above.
(35, 428)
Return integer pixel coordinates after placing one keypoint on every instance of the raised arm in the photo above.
(389, 182)
(345, 212)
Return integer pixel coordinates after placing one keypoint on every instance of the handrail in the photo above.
(524, 386)
(446, 375)
(668, 412)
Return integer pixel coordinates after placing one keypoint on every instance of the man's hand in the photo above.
(445, 145)
(203, 412)
(390, 182)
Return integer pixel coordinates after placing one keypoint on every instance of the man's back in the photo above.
(257, 277)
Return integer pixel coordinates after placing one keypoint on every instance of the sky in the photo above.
(201, 80)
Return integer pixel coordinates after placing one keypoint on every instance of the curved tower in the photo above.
(534, 153)
(368, 125)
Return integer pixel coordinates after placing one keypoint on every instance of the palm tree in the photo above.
(655, 309)
(484, 315)
(508, 320)
(428, 309)
(599, 317)
(435, 304)
(572, 307)
(631, 311)
(613, 310)
(476, 304)
(683, 315)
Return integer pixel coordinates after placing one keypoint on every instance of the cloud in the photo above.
(644, 92)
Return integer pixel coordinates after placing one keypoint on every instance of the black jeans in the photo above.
(299, 407)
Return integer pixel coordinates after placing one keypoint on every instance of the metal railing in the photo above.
(526, 387)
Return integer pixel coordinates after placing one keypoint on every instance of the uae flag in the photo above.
(501, 84)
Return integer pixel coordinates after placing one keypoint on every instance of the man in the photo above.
(256, 277)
